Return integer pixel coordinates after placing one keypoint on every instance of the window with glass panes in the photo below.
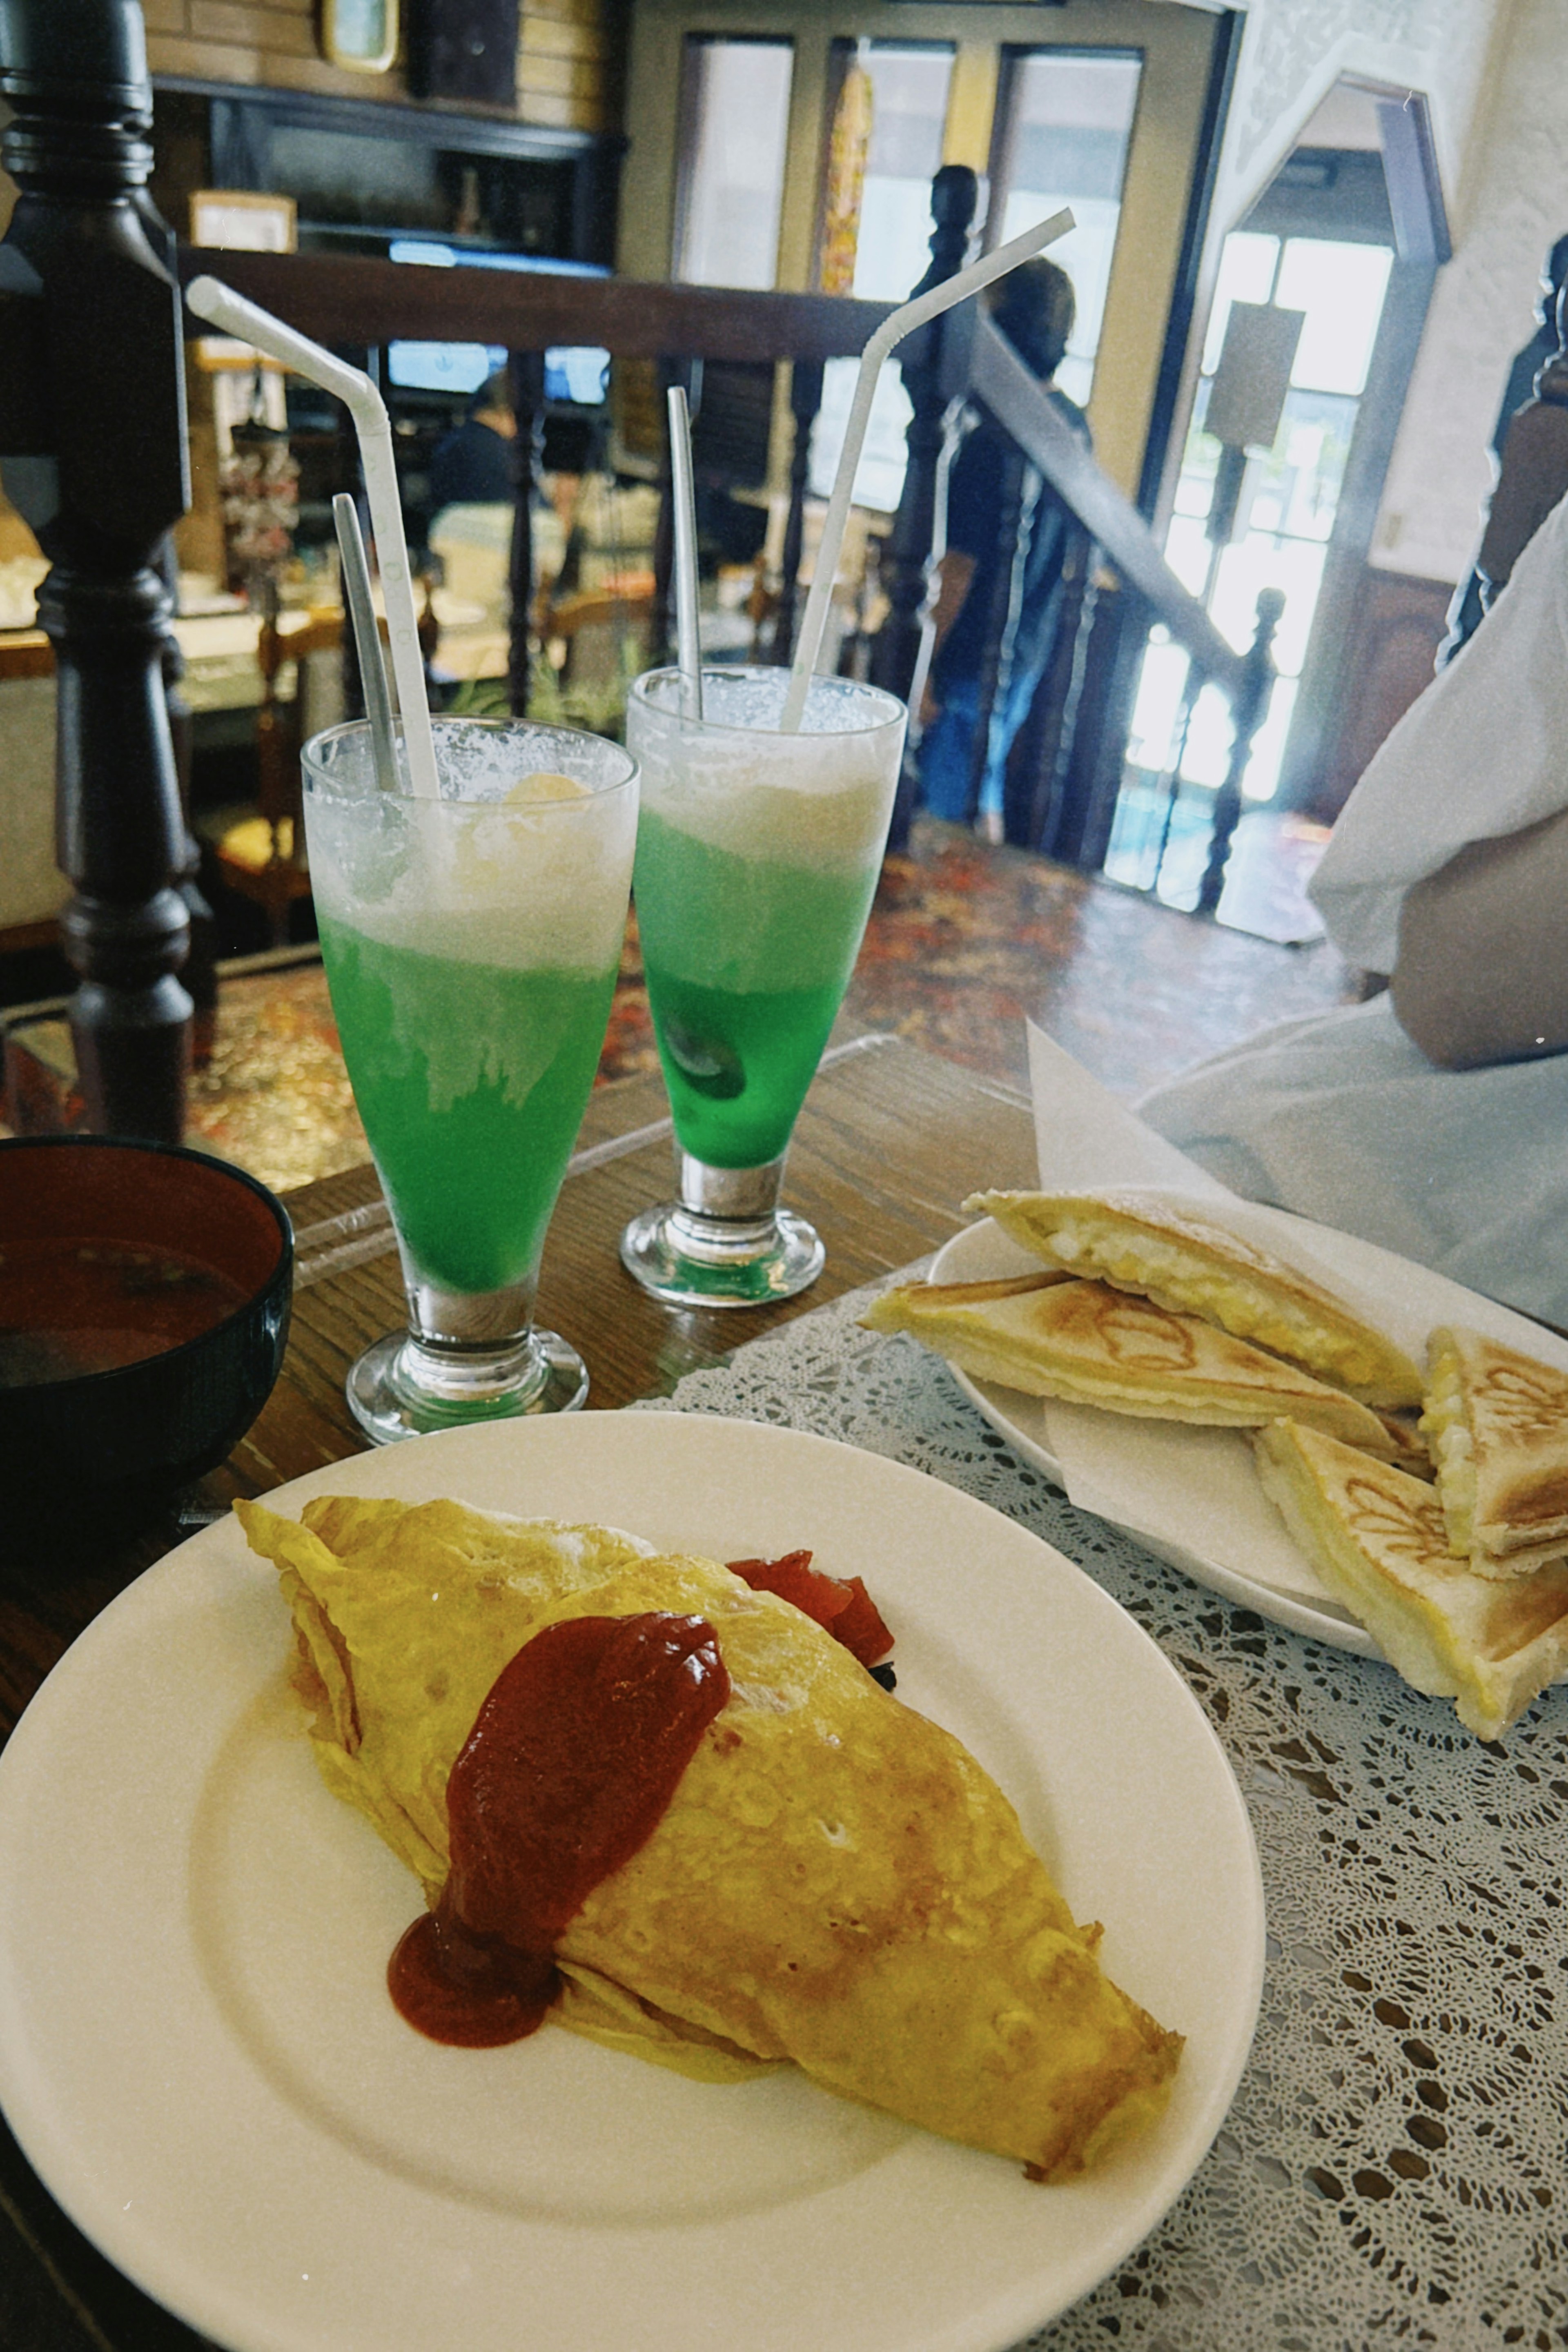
(1289, 497)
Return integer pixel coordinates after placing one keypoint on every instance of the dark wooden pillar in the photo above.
(95, 443)
(1249, 709)
(915, 544)
(805, 400)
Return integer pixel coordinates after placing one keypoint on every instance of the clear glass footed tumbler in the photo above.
(757, 859)
(471, 946)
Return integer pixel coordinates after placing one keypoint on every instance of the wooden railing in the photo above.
(964, 357)
(92, 430)
(357, 300)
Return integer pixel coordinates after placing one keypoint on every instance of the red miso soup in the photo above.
(70, 1306)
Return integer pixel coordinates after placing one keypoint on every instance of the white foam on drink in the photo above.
(819, 798)
(477, 877)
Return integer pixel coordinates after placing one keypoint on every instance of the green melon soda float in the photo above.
(472, 945)
(757, 857)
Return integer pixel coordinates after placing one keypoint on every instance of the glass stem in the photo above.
(725, 1214)
(467, 1345)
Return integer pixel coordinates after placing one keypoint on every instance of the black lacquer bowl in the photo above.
(91, 1458)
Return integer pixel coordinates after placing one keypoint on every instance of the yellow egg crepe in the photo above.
(835, 1881)
(1191, 1266)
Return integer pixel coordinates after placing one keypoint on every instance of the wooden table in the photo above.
(890, 1142)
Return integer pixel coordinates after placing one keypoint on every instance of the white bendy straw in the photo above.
(893, 331)
(683, 502)
(361, 607)
(222, 307)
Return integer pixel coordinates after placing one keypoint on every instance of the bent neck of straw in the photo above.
(893, 331)
(222, 307)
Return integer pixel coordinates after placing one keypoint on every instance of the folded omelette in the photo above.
(834, 1882)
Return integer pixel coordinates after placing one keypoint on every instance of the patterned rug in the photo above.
(963, 943)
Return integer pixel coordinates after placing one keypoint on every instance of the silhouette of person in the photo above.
(1034, 307)
(474, 464)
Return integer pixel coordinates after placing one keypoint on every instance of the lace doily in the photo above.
(1395, 2168)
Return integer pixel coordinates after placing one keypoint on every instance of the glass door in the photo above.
(1289, 498)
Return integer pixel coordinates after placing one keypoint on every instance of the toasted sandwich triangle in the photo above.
(1184, 1262)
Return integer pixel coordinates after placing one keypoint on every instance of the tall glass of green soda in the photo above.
(471, 946)
(757, 857)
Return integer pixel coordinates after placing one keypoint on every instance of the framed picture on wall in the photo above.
(464, 49)
(360, 33)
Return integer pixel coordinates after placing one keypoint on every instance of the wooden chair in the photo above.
(32, 888)
(263, 857)
(627, 603)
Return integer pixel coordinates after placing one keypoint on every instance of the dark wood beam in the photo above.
(353, 300)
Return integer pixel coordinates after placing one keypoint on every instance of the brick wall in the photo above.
(561, 67)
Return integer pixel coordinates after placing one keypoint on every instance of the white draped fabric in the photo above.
(1339, 1116)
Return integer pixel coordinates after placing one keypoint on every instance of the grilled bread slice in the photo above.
(1497, 1424)
(1088, 1344)
(1194, 1267)
(1379, 1540)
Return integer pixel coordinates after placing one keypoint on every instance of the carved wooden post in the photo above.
(527, 371)
(913, 541)
(97, 333)
(805, 400)
(1248, 712)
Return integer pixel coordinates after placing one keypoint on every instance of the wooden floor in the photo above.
(965, 942)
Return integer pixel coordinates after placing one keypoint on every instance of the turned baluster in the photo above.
(1249, 708)
(916, 541)
(1010, 523)
(805, 400)
(96, 339)
(527, 373)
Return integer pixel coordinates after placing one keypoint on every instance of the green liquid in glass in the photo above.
(471, 1079)
(747, 960)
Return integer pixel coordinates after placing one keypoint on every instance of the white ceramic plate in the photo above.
(1192, 1496)
(197, 2052)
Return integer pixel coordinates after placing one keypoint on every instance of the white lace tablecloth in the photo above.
(1394, 2169)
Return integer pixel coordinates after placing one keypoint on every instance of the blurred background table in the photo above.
(890, 1142)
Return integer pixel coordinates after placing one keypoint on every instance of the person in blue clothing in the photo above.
(476, 464)
(988, 571)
